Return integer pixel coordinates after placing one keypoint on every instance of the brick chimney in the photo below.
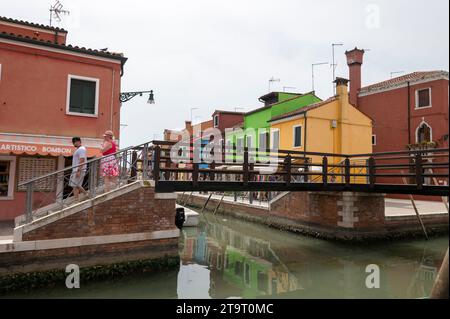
(354, 62)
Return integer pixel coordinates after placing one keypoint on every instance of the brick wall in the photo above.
(84, 256)
(134, 212)
(344, 210)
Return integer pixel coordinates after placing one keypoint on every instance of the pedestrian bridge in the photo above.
(185, 167)
(421, 171)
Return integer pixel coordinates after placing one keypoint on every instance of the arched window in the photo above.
(424, 133)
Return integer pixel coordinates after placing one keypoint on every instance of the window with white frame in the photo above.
(263, 140)
(216, 120)
(7, 171)
(240, 143)
(275, 139)
(297, 135)
(423, 98)
(82, 96)
(374, 139)
(249, 141)
(424, 133)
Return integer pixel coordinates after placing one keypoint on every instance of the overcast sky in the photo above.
(213, 54)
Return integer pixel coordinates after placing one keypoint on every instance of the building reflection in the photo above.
(240, 265)
(247, 261)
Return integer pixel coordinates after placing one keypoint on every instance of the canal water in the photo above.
(229, 258)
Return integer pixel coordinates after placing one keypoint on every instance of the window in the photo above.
(423, 98)
(240, 143)
(263, 139)
(216, 120)
(275, 139)
(297, 136)
(33, 167)
(249, 142)
(374, 139)
(7, 171)
(82, 98)
(423, 133)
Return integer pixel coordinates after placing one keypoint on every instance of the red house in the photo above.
(50, 92)
(409, 112)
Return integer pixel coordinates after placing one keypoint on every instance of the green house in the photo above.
(255, 131)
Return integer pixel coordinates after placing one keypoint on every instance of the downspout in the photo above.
(56, 36)
(113, 96)
(306, 133)
(409, 112)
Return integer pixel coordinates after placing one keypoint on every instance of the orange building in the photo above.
(50, 92)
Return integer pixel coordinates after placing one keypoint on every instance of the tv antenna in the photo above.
(56, 11)
(272, 79)
(396, 72)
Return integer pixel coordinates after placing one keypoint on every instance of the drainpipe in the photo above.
(409, 112)
(306, 131)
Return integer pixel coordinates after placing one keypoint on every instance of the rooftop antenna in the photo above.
(334, 65)
(289, 87)
(272, 79)
(396, 72)
(56, 11)
(312, 73)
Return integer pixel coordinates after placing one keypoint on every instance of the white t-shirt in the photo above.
(79, 154)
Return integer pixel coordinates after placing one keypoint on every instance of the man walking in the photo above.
(78, 169)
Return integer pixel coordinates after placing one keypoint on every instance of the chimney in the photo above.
(354, 62)
(342, 94)
(341, 87)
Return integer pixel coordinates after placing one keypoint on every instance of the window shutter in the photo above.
(33, 167)
(82, 96)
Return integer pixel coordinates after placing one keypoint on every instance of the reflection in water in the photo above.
(250, 261)
(228, 258)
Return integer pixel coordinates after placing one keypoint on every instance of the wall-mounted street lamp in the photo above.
(126, 96)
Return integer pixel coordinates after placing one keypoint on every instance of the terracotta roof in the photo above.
(30, 24)
(303, 109)
(398, 81)
(26, 39)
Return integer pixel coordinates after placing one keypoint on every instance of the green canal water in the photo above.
(228, 258)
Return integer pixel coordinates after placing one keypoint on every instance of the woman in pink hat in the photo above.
(108, 165)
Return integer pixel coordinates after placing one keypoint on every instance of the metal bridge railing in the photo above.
(426, 171)
(51, 192)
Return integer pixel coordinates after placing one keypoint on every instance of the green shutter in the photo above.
(82, 96)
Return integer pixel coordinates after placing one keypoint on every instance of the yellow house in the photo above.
(331, 126)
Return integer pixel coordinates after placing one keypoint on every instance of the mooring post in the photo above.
(206, 203)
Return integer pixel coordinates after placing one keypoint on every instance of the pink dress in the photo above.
(108, 165)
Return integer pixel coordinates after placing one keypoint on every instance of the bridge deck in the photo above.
(423, 172)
